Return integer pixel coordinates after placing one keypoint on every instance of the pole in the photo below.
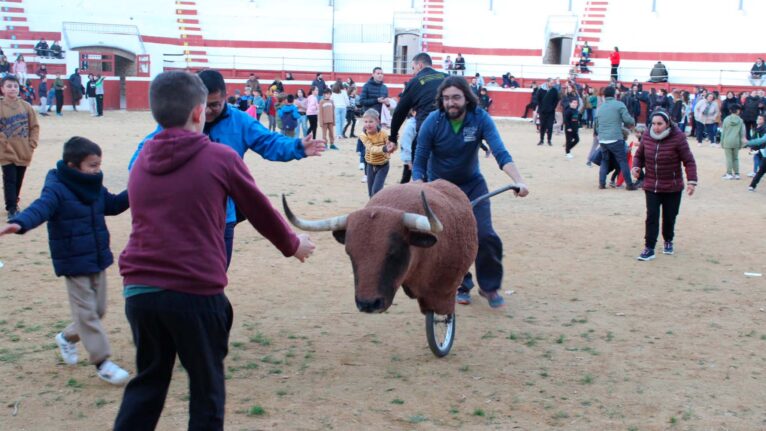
(332, 41)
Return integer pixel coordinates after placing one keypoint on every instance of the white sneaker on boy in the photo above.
(112, 373)
(67, 350)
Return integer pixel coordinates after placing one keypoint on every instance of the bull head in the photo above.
(378, 241)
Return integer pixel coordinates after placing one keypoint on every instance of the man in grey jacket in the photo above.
(612, 114)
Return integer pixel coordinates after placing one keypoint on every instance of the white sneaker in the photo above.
(67, 350)
(364, 178)
(361, 166)
(736, 176)
(569, 156)
(112, 373)
(751, 189)
(751, 174)
(727, 177)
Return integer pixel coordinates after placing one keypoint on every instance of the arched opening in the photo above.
(406, 43)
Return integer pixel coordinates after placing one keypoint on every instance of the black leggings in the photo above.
(312, 125)
(670, 203)
(572, 138)
(59, 100)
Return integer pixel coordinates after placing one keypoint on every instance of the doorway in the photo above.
(406, 45)
(558, 50)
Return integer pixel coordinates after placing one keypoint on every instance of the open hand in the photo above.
(9, 228)
(313, 147)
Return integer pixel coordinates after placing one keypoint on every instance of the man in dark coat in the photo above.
(374, 91)
(75, 86)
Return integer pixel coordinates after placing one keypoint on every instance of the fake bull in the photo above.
(422, 237)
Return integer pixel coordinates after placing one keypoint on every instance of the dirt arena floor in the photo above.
(590, 338)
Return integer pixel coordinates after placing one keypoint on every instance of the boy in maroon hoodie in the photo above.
(174, 265)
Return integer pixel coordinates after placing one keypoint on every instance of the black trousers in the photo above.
(572, 138)
(100, 104)
(312, 125)
(670, 203)
(759, 174)
(350, 121)
(530, 106)
(749, 126)
(546, 124)
(195, 327)
(614, 71)
(13, 176)
(59, 100)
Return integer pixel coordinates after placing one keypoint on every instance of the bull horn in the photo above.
(427, 223)
(331, 224)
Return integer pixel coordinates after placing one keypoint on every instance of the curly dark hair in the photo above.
(461, 84)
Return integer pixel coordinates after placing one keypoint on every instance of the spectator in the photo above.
(56, 50)
(492, 82)
(706, 112)
(319, 83)
(547, 100)
(484, 100)
(659, 73)
(90, 94)
(532, 105)
(278, 84)
(750, 109)
(5, 67)
(41, 48)
(99, 84)
(583, 63)
(614, 60)
(289, 77)
(253, 83)
(20, 68)
(757, 72)
(340, 102)
(42, 71)
(448, 65)
(611, 117)
(732, 140)
(662, 151)
(374, 92)
(586, 52)
(729, 101)
(479, 79)
(459, 64)
(76, 88)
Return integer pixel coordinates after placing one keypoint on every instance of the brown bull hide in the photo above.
(385, 255)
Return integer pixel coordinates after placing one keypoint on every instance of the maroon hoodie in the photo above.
(178, 188)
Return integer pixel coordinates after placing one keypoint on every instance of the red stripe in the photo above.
(185, 12)
(236, 43)
(190, 28)
(195, 52)
(589, 39)
(433, 27)
(16, 28)
(432, 19)
(599, 3)
(30, 35)
(595, 15)
(13, 9)
(588, 22)
(590, 30)
(197, 60)
(14, 18)
(433, 36)
(187, 21)
(706, 57)
(12, 1)
(22, 46)
(186, 3)
(595, 9)
(494, 51)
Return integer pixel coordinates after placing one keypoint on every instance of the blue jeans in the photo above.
(376, 177)
(489, 259)
(757, 161)
(304, 125)
(340, 118)
(618, 150)
(228, 239)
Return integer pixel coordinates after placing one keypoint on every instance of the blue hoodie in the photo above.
(454, 157)
(240, 132)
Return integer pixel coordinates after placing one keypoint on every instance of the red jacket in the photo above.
(662, 161)
(614, 58)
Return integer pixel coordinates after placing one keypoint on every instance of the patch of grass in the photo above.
(261, 339)
(14, 338)
(256, 410)
(560, 339)
(464, 368)
(632, 428)
(479, 413)
(8, 356)
(560, 415)
(251, 366)
(543, 374)
(587, 379)
(281, 393)
(416, 419)
(72, 383)
(397, 401)
(101, 403)
(513, 336)
(488, 335)
(453, 411)
(237, 344)
(270, 360)
(673, 421)
(609, 336)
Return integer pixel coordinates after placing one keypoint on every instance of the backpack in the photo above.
(288, 121)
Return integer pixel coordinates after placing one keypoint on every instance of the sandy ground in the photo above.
(590, 338)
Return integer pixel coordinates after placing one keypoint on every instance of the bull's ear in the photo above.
(340, 235)
(422, 239)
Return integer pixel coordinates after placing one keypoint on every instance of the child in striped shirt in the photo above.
(377, 151)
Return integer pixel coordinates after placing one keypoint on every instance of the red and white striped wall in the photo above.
(190, 31)
(432, 34)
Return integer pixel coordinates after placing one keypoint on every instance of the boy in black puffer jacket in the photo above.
(74, 203)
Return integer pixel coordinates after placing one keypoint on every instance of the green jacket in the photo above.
(733, 132)
(610, 118)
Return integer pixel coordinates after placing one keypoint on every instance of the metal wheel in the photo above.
(440, 331)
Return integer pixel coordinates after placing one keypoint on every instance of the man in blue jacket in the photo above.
(374, 92)
(239, 131)
(448, 146)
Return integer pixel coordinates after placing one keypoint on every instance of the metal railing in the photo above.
(347, 63)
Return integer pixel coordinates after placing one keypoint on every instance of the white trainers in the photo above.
(727, 177)
(361, 166)
(751, 174)
(364, 178)
(751, 189)
(569, 156)
(112, 373)
(67, 350)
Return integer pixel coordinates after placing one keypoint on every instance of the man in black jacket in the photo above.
(547, 99)
(419, 94)
(319, 83)
(757, 72)
(374, 91)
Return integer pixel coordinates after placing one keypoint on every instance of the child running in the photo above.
(19, 134)
(571, 127)
(377, 151)
(174, 265)
(74, 203)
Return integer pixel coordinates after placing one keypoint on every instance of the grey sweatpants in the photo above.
(87, 300)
